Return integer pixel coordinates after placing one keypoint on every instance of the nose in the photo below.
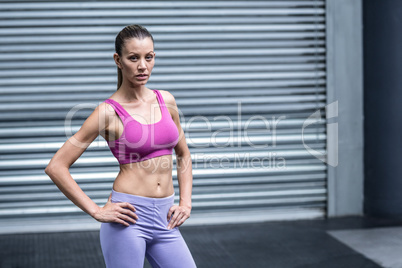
(142, 65)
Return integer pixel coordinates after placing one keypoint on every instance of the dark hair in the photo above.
(128, 32)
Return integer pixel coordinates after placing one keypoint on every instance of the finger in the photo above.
(126, 218)
(122, 222)
(131, 214)
(173, 224)
(170, 220)
(171, 216)
(184, 217)
(181, 221)
(128, 212)
(175, 219)
(171, 211)
(179, 218)
(126, 204)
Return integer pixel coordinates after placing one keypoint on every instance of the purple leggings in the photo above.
(126, 246)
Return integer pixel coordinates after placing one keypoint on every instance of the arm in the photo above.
(72, 149)
(184, 171)
(184, 167)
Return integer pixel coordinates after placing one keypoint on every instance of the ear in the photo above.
(116, 58)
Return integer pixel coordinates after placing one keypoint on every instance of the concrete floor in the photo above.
(342, 242)
(383, 245)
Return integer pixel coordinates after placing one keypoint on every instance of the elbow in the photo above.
(183, 153)
(183, 157)
(48, 170)
(51, 168)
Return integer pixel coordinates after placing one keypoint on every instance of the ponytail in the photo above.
(119, 78)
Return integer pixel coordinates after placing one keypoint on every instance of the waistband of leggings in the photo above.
(144, 200)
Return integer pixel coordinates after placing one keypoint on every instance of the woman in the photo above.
(141, 127)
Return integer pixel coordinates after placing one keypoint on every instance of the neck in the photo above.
(134, 92)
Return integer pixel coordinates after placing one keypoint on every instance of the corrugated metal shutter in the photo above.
(236, 59)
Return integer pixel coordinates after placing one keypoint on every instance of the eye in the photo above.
(133, 57)
(149, 57)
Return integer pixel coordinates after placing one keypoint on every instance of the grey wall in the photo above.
(382, 107)
(227, 63)
(345, 86)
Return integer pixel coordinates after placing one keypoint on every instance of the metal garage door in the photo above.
(246, 75)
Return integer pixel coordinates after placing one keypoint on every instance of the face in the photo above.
(137, 60)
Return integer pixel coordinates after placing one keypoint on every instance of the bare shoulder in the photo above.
(105, 112)
(106, 108)
(168, 98)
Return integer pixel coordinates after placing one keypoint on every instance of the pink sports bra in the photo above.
(140, 142)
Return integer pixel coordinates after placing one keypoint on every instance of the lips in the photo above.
(142, 75)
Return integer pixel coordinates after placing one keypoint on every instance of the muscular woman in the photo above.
(141, 127)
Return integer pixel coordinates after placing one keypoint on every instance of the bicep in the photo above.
(75, 146)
